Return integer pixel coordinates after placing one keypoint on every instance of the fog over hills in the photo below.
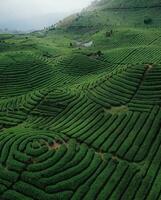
(32, 23)
(29, 15)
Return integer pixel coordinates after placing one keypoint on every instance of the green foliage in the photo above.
(148, 21)
(83, 122)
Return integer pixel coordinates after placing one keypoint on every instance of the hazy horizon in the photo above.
(25, 15)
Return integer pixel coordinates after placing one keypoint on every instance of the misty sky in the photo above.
(35, 14)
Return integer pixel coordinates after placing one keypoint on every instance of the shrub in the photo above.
(147, 21)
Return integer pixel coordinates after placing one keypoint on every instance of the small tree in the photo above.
(99, 53)
(147, 21)
(109, 33)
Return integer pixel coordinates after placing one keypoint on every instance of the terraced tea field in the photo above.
(77, 127)
(81, 123)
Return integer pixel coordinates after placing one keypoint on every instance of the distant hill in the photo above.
(126, 3)
(99, 14)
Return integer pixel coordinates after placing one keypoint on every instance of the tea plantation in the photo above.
(83, 123)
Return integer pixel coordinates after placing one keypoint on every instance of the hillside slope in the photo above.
(127, 4)
(113, 13)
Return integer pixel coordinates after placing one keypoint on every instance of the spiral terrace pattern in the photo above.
(40, 165)
(93, 145)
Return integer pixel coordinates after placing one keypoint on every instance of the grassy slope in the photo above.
(77, 126)
(126, 3)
